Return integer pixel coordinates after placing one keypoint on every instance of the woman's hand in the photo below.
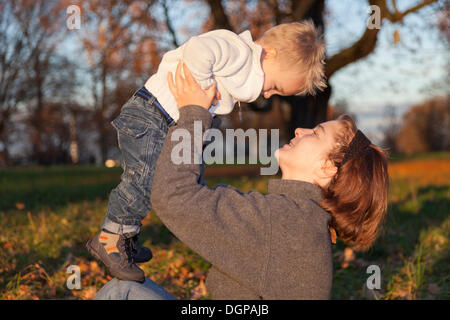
(187, 91)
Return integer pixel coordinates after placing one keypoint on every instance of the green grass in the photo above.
(47, 215)
(55, 186)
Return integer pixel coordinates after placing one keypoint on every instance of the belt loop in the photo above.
(147, 95)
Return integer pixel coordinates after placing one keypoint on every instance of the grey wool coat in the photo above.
(274, 246)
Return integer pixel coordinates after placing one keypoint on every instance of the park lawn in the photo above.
(47, 215)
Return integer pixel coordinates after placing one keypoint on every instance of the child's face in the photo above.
(277, 78)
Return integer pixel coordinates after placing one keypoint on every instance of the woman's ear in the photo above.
(324, 172)
(329, 169)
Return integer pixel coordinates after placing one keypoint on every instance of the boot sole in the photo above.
(97, 257)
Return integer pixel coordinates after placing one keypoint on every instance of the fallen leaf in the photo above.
(83, 267)
(401, 293)
(20, 206)
(184, 271)
(23, 289)
(93, 266)
(89, 293)
(349, 255)
(199, 291)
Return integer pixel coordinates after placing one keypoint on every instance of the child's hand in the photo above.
(187, 91)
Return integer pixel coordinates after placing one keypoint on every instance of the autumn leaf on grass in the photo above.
(347, 257)
(199, 291)
(89, 293)
(23, 290)
(20, 206)
(401, 293)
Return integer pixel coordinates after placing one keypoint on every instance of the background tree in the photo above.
(48, 76)
(13, 56)
(258, 16)
(119, 41)
(425, 128)
(390, 129)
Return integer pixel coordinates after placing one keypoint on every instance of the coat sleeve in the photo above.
(221, 53)
(227, 227)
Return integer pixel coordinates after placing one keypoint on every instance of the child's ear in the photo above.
(270, 53)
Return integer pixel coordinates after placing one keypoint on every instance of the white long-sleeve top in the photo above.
(233, 60)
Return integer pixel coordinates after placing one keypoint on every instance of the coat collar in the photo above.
(256, 50)
(295, 189)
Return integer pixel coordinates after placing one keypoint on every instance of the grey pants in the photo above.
(131, 290)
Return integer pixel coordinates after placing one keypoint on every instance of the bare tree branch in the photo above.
(300, 8)
(367, 43)
(394, 5)
(221, 20)
(277, 13)
(169, 23)
(397, 15)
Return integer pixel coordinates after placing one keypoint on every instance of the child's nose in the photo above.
(268, 94)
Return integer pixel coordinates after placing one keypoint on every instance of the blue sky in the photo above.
(395, 75)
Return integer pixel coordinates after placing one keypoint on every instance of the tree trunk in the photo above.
(4, 156)
(103, 145)
(307, 111)
(37, 120)
(102, 137)
(101, 118)
(73, 136)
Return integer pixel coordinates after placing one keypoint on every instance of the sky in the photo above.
(394, 75)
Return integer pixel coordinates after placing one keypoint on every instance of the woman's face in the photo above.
(305, 156)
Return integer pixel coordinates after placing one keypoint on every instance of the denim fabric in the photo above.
(141, 130)
(131, 290)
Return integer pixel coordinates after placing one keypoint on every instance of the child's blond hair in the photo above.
(298, 45)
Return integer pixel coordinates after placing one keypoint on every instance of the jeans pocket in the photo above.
(130, 126)
(135, 138)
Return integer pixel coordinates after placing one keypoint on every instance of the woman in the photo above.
(274, 246)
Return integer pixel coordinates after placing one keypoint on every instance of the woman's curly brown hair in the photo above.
(357, 195)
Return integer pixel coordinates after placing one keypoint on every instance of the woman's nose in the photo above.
(298, 132)
(301, 131)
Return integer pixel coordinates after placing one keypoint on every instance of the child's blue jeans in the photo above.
(141, 130)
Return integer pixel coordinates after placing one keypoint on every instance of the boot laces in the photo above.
(134, 243)
(129, 249)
